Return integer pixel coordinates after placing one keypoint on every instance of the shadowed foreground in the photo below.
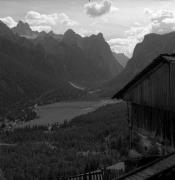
(87, 143)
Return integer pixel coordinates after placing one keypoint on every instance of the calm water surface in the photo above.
(59, 112)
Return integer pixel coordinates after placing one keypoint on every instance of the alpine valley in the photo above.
(48, 67)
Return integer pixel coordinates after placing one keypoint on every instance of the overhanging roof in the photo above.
(163, 58)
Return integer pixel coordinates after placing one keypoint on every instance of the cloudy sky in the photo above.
(123, 22)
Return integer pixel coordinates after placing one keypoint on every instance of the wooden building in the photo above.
(151, 99)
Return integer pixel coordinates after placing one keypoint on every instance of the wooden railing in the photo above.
(113, 173)
(97, 175)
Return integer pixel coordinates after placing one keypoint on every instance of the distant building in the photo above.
(150, 98)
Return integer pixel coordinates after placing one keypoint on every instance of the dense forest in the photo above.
(87, 143)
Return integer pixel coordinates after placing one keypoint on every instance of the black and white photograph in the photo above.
(87, 89)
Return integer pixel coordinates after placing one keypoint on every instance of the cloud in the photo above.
(45, 22)
(137, 24)
(160, 22)
(126, 45)
(41, 28)
(65, 20)
(35, 18)
(122, 45)
(84, 32)
(96, 9)
(9, 21)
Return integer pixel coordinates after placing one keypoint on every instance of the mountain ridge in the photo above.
(23, 29)
(144, 53)
(121, 58)
(32, 67)
(80, 56)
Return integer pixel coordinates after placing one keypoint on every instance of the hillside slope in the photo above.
(144, 53)
(27, 71)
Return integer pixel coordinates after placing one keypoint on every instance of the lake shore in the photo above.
(61, 111)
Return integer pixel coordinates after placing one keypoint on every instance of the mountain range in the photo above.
(33, 64)
(121, 58)
(67, 66)
(23, 29)
(84, 59)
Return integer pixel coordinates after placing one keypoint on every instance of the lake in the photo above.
(59, 112)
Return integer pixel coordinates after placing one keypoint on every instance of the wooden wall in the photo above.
(160, 122)
(172, 87)
(153, 89)
(152, 100)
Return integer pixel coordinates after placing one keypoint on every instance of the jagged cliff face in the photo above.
(121, 58)
(23, 29)
(144, 53)
(84, 60)
(100, 54)
(6, 32)
(27, 72)
(30, 68)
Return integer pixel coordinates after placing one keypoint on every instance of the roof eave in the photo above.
(158, 60)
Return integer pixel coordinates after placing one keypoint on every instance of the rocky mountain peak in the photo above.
(23, 29)
(121, 58)
(100, 35)
(71, 37)
(69, 31)
(5, 31)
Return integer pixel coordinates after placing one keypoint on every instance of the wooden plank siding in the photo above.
(172, 86)
(153, 102)
(160, 122)
(151, 95)
(153, 90)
